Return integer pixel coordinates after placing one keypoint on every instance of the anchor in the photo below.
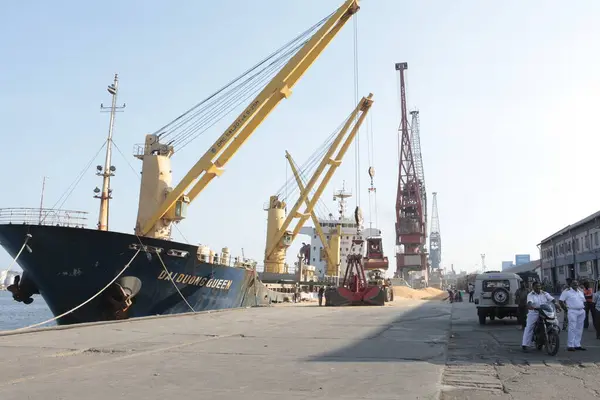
(119, 297)
(21, 292)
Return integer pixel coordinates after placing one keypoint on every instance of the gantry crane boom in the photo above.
(314, 218)
(212, 162)
(418, 157)
(329, 160)
(410, 227)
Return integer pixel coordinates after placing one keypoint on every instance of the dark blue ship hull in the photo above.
(67, 266)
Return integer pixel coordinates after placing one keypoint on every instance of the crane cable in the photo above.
(357, 139)
(178, 138)
(195, 121)
(290, 187)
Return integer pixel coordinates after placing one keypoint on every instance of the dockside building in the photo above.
(572, 252)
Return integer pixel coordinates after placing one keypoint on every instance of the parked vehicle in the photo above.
(495, 295)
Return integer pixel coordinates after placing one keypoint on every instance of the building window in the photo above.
(587, 241)
(596, 238)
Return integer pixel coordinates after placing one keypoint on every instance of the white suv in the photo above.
(495, 295)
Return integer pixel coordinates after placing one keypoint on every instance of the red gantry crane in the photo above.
(410, 213)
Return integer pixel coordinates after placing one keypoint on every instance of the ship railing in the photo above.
(139, 149)
(43, 216)
(228, 260)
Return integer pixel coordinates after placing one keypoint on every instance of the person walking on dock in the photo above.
(320, 294)
(589, 303)
(450, 295)
(521, 299)
(573, 301)
(596, 313)
(566, 315)
(471, 292)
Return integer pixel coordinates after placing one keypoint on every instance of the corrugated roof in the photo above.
(573, 226)
(530, 266)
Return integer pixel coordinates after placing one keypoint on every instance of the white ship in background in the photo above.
(6, 278)
(350, 231)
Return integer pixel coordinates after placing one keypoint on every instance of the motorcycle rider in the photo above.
(535, 299)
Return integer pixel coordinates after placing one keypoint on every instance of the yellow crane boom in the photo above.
(331, 261)
(212, 162)
(279, 240)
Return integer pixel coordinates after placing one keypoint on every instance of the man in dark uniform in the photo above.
(320, 294)
(521, 297)
(589, 303)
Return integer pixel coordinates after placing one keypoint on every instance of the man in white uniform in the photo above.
(573, 301)
(535, 299)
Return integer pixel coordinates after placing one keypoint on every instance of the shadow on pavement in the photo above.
(443, 333)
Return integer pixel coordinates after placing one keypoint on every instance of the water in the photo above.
(15, 315)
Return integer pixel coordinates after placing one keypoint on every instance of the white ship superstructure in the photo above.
(350, 231)
(6, 278)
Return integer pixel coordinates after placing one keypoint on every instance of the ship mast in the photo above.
(108, 171)
(42, 199)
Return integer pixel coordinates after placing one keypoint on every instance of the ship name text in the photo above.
(221, 284)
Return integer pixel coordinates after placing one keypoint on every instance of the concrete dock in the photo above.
(409, 350)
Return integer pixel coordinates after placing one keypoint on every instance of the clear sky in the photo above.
(507, 93)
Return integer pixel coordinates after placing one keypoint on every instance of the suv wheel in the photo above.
(500, 296)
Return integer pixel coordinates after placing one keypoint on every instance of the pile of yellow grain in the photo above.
(428, 293)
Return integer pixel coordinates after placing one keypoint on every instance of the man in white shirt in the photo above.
(471, 289)
(573, 301)
(535, 299)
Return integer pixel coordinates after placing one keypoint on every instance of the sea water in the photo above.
(15, 315)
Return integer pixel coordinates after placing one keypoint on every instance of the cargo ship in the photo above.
(88, 275)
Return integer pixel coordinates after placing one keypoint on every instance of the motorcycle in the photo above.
(546, 330)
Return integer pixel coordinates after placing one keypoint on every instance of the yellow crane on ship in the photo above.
(159, 204)
(279, 237)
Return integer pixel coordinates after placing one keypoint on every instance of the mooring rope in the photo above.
(103, 289)
(174, 284)
(20, 251)
(87, 301)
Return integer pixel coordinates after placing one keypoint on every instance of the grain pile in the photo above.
(420, 294)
